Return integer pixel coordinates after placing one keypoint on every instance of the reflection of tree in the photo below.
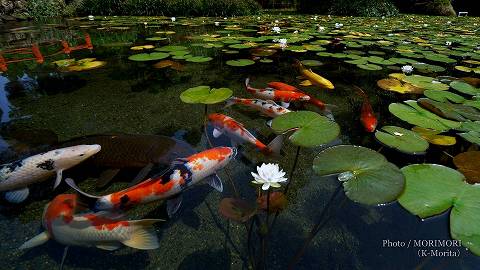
(5, 106)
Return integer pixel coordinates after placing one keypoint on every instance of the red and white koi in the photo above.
(266, 107)
(238, 133)
(15, 177)
(182, 174)
(314, 101)
(277, 95)
(103, 230)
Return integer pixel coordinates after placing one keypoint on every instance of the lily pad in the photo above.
(369, 67)
(366, 175)
(312, 63)
(240, 62)
(236, 209)
(395, 85)
(142, 57)
(432, 136)
(171, 48)
(205, 95)
(402, 139)
(278, 202)
(468, 163)
(432, 189)
(426, 83)
(412, 113)
(449, 110)
(471, 136)
(443, 96)
(465, 88)
(263, 52)
(199, 59)
(310, 128)
(142, 47)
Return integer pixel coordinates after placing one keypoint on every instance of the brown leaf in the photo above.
(468, 163)
(278, 202)
(236, 209)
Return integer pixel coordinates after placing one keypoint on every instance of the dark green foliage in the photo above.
(45, 8)
(428, 7)
(168, 7)
(348, 7)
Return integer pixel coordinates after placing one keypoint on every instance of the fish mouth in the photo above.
(93, 149)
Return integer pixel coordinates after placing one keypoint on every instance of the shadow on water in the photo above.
(88, 257)
(207, 259)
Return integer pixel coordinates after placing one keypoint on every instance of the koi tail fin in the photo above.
(360, 92)
(36, 241)
(275, 146)
(143, 235)
(247, 83)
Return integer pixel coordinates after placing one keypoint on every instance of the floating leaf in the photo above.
(397, 86)
(432, 136)
(443, 96)
(465, 88)
(171, 48)
(142, 47)
(263, 52)
(369, 67)
(471, 136)
(278, 202)
(311, 128)
(449, 110)
(468, 163)
(427, 68)
(312, 63)
(199, 59)
(366, 175)
(416, 115)
(205, 94)
(156, 38)
(432, 189)
(236, 209)
(84, 64)
(142, 57)
(169, 63)
(402, 139)
(426, 83)
(240, 62)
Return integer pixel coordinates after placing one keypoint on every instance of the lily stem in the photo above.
(320, 223)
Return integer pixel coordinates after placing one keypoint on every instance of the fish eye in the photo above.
(81, 155)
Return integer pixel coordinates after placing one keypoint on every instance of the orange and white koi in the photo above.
(314, 78)
(277, 95)
(238, 133)
(314, 101)
(103, 230)
(183, 173)
(367, 116)
(266, 107)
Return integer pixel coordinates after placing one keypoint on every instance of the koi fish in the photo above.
(266, 107)
(102, 230)
(15, 177)
(238, 133)
(314, 78)
(277, 95)
(183, 173)
(367, 116)
(314, 101)
(124, 151)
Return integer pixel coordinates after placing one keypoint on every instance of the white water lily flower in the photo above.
(269, 175)
(283, 43)
(173, 19)
(276, 21)
(295, 32)
(448, 43)
(315, 18)
(91, 18)
(276, 29)
(217, 23)
(407, 69)
(338, 25)
(321, 29)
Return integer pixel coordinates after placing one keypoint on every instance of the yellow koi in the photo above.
(314, 78)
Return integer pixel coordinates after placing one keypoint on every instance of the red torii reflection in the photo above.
(37, 54)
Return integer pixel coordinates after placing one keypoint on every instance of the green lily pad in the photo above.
(240, 62)
(369, 67)
(240, 46)
(199, 59)
(312, 63)
(443, 96)
(266, 60)
(471, 136)
(432, 189)
(412, 113)
(465, 88)
(171, 48)
(402, 139)
(427, 68)
(156, 38)
(311, 128)
(141, 57)
(449, 110)
(205, 95)
(424, 82)
(366, 175)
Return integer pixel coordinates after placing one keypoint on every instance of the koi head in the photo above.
(104, 203)
(217, 119)
(209, 161)
(68, 157)
(62, 206)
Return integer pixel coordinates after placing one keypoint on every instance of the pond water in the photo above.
(44, 104)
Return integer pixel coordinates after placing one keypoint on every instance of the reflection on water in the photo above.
(5, 105)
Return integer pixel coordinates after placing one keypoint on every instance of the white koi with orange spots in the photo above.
(268, 108)
(103, 230)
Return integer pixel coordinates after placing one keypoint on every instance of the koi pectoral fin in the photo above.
(36, 241)
(217, 133)
(285, 104)
(215, 182)
(58, 179)
(17, 196)
(173, 205)
(109, 246)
